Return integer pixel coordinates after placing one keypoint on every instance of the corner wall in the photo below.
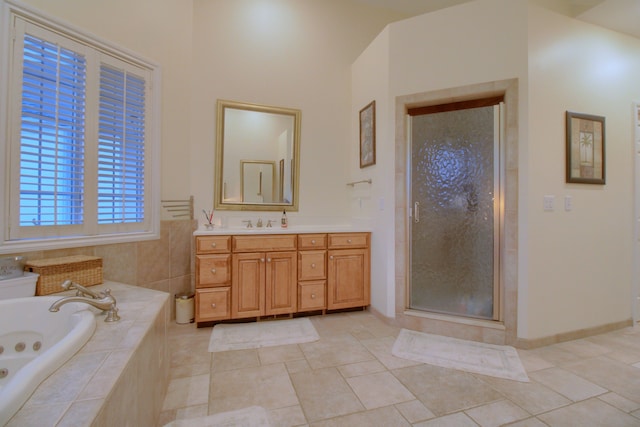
(288, 53)
(430, 61)
(580, 262)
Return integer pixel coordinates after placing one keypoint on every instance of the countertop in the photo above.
(298, 229)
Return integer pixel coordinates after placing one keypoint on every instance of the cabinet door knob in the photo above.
(313, 265)
(261, 259)
(331, 257)
(213, 245)
(213, 271)
(268, 259)
(213, 305)
(313, 296)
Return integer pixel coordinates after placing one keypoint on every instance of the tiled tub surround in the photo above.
(118, 378)
(163, 264)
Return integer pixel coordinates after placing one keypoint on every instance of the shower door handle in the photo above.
(416, 212)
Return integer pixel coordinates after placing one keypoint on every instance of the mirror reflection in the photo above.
(257, 157)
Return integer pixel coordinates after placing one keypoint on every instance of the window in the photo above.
(81, 143)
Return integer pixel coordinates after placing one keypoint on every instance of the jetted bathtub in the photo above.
(34, 343)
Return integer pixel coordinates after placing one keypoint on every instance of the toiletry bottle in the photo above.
(283, 221)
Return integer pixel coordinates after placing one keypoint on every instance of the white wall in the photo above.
(375, 202)
(575, 268)
(427, 53)
(288, 53)
(159, 30)
(580, 262)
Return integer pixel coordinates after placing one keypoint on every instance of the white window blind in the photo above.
(121, 147)
(51, 135)
(82, 140)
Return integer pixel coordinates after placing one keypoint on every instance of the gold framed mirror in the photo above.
(250, 140)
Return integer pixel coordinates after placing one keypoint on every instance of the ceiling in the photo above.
(618, 15)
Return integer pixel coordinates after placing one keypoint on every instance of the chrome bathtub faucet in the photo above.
(103, 300)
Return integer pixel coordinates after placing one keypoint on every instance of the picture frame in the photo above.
(368, 135)
(585, 148)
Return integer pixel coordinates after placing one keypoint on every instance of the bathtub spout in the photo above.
(106, 302)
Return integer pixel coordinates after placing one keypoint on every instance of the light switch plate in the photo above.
(548, 203)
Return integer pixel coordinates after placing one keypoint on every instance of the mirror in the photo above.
(257, 157)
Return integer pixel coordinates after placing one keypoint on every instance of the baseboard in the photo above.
(528, 344)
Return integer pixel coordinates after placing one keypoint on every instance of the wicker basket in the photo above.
(81, 269)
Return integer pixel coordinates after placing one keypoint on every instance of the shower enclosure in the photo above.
(455, 210)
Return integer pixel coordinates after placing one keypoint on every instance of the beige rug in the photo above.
(470, 356)
(261, 334)
(253, 416)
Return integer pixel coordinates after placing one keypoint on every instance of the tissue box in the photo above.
(11, 267)
(82, 269)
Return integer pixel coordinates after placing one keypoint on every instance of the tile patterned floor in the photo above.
(349, 378)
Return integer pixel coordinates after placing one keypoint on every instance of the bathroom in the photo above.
(570, 273)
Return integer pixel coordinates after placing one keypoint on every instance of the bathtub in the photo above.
(35, 343)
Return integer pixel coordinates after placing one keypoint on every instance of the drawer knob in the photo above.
(213, 305)
(313, 242)
(313, 265)
(348, 240)
(213, 271)
(313, 296)
(213, 245)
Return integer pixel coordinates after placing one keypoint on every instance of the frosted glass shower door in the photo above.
(455, 212)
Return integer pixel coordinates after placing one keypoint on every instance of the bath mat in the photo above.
(261, 334)
(470, 356)
(253, 416)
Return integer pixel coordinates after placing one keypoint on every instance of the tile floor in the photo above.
(349, 378)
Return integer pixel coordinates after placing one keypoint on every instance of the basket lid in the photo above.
(184, 295)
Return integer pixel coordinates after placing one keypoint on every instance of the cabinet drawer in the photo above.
(213, 244)
(312, 241)
(348, 240)
(213, 270)
(213, 304)
(311, 295)
(284, 242)
(311, 265)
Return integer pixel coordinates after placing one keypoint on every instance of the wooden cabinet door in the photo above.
(281, 282)
(348, 278)
(311, 295)
(213, 270)
(247, 285)
(311, 265)
(213, 304)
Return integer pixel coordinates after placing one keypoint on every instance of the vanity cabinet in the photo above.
(245, 276)
(348, 271)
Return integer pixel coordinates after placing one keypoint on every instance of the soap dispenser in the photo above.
(283, 222)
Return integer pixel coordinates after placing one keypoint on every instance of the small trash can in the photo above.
(184, 308)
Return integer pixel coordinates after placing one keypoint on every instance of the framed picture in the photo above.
(368, 135)
(585, 148)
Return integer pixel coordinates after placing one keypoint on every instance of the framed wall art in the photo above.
(368, 135)
(585, 146)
